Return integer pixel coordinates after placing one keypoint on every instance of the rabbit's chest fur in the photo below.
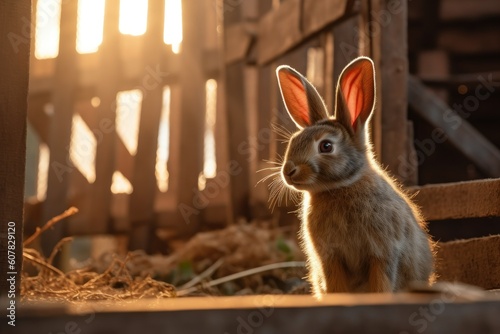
(357, 223)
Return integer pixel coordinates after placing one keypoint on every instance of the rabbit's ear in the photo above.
(301, 99)
(356, 93)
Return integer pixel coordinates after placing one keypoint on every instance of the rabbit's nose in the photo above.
(290, 169)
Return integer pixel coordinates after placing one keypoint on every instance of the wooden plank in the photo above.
(459, 200)
(37, 116)
(142, 199)
(434, 65)
(453, 310)
(390, 52)
(237, 42)
(318, 14)
(472, 261)
(292, 22)
(14, 70)
(107, 87)
(236, 115)
(191, 119)
(468, 9)
(481, 39)
(66, 76)
(238, 144)
(457, 130)
(279, 31)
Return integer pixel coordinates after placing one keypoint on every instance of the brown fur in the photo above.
(360, 231)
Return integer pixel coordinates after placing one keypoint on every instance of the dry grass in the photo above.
(222, 262)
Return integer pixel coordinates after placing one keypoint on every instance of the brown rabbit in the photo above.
(360, 232)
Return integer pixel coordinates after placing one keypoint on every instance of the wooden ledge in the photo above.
(456, 312)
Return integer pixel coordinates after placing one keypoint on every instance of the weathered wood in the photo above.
(279, 31)
(142, 199)
(318, 14)
(37, 117)
(468, 9)
(393, 74)
(237, 42)
(454, 311)
(459, 200)
(60, 165)
(15, 36)
(481, 39)
(105, 160)
(191, 119)
(463, 79)
(472, 261)
(239, 147)
(434, 65)
(236, 116)
(292, 22)
(456, 129)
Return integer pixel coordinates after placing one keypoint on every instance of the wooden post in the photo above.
(15, 18)
(105, 162)
(388, 29)
(237, 129)
(60, 166)
(192, 117)
(143, 196)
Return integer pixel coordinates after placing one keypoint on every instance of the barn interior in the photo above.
(139, 140)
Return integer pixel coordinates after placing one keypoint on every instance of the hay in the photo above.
(240, 259)
(115, 283)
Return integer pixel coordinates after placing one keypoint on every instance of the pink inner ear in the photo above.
(295, 97)
(353, 90)
(358, 89)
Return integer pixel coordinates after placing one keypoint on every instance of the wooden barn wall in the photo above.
(254, 38)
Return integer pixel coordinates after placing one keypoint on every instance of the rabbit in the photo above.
(360, 232)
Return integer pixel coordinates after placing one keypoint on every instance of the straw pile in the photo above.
(240, 259)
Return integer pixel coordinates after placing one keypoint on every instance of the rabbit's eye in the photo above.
(325, 146)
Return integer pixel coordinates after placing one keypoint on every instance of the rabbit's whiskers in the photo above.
(283, 133)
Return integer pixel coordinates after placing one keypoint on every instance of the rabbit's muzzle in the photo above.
(296, 175)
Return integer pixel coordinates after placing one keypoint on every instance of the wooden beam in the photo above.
(472, 199)
(105, 160)
(472, 261)
(483, 38)
(318, 14)
(60, 166)
(142, 199)
(292, 22)
(37, 116)
(279, 31)
(454, 128)
(237, 41)
(390, 55)
(468, 9)
(15, 18)
(188, 150)
(453, 310)
(236, 111)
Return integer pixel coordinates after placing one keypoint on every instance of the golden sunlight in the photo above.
(172, 33)
(120, 184)
(82, 148)
(48, 17)
(90, 24)
(128, 114)
(210, 163)
(43, 172)
(163, 143)
(133, 17)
